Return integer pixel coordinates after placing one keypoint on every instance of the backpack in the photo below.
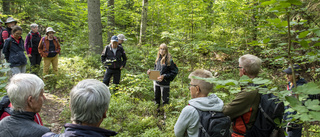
(213, 124)
(269, 111)
(4, 103)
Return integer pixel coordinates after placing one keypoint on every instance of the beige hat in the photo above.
(10, 19)
(121, 37)
(49, 29)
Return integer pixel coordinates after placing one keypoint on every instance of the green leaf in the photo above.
(315, 115)
(295, 2)
(266, 40)
(309, 88)
(304, 117)
(303, 34)
(293, 101)
(317, 32)
(313, 104)
(260, 81)
(268, 2)
(304, 44)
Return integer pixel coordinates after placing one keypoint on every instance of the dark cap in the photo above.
(296, 68)
(114, 38)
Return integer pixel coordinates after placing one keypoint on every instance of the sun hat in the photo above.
(122, 37)
(49, 29)
(10, 19)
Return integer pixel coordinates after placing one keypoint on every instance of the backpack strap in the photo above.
(200, 121)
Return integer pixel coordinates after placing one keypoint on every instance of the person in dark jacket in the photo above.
(49, 48)
(31, 46)
(114, 59)
(14, 51)
(121, 39)
(1, 42)
(168, 71)
(7, 31)
(25, 92)
(293, 129)
(89, 103)
(243, 108)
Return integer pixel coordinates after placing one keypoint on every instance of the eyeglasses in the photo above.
(194, 86)
(239, 67)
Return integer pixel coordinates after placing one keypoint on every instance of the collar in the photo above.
(17, 40)
(24, 115)
(91, 128)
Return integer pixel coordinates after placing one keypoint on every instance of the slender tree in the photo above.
(111, 22)
(95, 27)
(143, 26)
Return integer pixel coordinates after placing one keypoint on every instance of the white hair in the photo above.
(251, 64)
(89, 100)
(33, 25)
(22, 86)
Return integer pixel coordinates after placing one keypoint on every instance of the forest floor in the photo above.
(51, 110)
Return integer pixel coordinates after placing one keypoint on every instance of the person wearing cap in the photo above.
(114, 59)
(49, 48)
(31, 45)
(7, 31)
(121, 39)
(293, 130)
(13, 50)
(1, 43)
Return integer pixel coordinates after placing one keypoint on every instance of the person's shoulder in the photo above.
(51, 134)
(188, 109)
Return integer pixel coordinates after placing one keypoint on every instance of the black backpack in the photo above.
(213, 124)
(269, 110)
(4, 103)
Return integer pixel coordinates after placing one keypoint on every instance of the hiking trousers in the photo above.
(116, 73)
(161, 91)
(35, 61)
(50, 60)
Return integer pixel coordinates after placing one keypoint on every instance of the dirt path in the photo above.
(51, 110)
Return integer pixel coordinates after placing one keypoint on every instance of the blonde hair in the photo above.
(205, 87)
(166, 58)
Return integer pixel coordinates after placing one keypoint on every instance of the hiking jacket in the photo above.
(169, 72)
(244, 105)
(44, 44)
(14, 52)
(188, 121)
(1, 40)
(32, 43)
(21, 124)
(114, 60)
(75, 130)
(37, 117)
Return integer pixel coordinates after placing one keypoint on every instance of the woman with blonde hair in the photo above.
(168, 71)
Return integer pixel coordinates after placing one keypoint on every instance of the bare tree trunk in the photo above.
(95, 27)
(111, 23)
(6, 7)
(143, 26)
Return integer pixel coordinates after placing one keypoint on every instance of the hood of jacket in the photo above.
(209, 103)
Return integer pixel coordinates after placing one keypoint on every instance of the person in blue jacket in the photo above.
(168, 71)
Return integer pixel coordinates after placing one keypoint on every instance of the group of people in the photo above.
(89, 103)
(13, 46)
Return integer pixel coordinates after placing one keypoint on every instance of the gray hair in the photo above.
(204, 86)
(251, 64)
(89, 100)
(33, 25)
(22, 86)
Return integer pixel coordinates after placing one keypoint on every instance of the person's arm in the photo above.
(26, 44)
(40, 47)
(59, 47)
(6, 50)
(124, 57)
(240, 105)
(173, 71)
(103, 54)
(186, 118)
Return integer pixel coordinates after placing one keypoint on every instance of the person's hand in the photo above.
(148, 72)
(160, 78)
(29, 55)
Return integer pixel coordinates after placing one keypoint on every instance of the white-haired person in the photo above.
(188, 121)
(31, 45)
(89, 103)
(121, 39)
(244, 107)
(25, 92)
(49, 48)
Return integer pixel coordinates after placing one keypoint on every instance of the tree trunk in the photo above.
(143, 26)
(111, 23)
(6, 7)
(95, 27)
